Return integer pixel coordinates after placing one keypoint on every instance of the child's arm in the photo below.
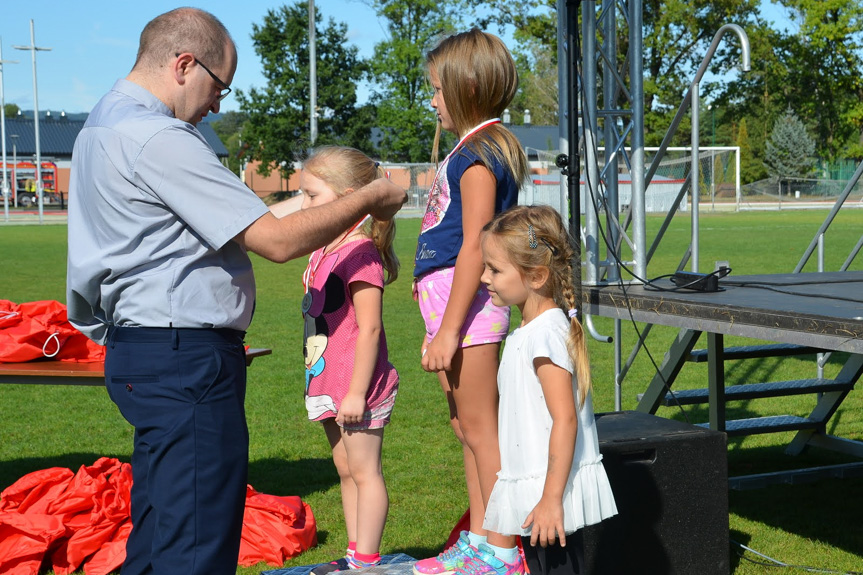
(547, 516)
(478, 187)
(368, 304)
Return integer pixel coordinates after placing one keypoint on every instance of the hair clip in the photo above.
(531, 237)
(572, 313)
(551, 248)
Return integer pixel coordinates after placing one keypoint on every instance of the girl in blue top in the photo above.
(474, 79)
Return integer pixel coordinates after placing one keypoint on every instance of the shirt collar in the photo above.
(143, 95)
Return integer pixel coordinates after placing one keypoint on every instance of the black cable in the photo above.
(720, 273)
(771, 287)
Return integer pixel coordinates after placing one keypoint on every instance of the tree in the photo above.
(11, 110)
(538, 83)
(676, 34)
(278, 115)
(825, 72)
(750, 169)
(814, 69)
(790, 149)
(402, 96)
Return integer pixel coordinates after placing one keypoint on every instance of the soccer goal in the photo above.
(718, 177)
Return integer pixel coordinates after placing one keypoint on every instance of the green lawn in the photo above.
(814, 524)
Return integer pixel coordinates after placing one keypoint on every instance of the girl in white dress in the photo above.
(552, 481)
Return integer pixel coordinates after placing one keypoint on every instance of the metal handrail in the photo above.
(829, 219)
(691, 95)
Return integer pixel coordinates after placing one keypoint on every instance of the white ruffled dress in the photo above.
(524, 431)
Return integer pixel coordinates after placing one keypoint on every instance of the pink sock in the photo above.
(368, 557)
(352, 548)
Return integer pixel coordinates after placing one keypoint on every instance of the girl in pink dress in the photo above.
(350, 384)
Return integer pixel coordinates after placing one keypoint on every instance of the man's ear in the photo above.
(182, 67)
(349, 191)
(538, 277)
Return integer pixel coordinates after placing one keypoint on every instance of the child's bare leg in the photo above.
(346, 481)
(474, 384)
(476, 504)
(372, 503)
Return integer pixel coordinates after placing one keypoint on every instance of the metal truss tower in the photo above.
(604, 85)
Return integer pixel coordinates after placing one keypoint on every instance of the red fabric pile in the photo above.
(38, 329)
(63, 520)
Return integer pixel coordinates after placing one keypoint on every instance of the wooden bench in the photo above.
(52, 372)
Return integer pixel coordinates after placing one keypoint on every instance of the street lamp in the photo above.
(5, 189)
(33, 48)
(15, 167)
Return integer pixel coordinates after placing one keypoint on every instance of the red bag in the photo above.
(82, 519)
(275, 528)
(39, 329)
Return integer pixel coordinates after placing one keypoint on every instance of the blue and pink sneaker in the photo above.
(449, 560)
(485, 563)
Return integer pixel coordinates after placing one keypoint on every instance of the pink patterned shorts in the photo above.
(485, 322)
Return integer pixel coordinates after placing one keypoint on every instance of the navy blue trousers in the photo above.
(183, 390)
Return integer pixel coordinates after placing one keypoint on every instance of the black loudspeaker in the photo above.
(670, 483)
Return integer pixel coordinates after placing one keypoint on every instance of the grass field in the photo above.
(814, 524)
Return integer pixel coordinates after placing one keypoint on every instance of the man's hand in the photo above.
(389, 199)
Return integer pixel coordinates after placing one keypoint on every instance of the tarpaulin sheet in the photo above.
(39, 329)
(54, 518)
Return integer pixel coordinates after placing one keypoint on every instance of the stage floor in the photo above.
(823, 310)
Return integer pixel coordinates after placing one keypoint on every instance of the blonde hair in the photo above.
(183, 30)
(479, 80)
(535, 237)
(343, 168)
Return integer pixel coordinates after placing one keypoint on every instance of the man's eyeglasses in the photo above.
(223, 93)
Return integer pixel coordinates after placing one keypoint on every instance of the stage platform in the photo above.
(823, 310)
(806, 313)
(397, 564)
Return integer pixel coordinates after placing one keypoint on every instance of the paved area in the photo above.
(31, 217)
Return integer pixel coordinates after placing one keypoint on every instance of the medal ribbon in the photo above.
(470, 133)
(311, 269)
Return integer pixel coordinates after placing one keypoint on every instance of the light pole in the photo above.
(33, 49)
(15, 167)
(313, 76)
(5, 189)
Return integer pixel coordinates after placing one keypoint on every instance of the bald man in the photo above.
(158, 271)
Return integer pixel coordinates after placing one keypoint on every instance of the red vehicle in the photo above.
(21, 178)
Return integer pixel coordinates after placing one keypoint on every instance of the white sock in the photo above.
(475, 539)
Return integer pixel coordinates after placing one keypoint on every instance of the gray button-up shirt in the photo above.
(152, 214)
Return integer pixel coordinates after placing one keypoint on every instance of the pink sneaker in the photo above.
(485, 563)
(449, 560)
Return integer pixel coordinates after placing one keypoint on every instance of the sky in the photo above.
(94, 42)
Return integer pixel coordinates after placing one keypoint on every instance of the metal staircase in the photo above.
(830, 392)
